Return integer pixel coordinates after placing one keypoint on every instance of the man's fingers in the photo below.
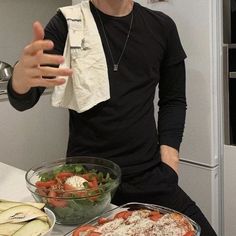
(38, 31)
(47, 59)
(48, 83)
(46, 71)
(43, 59)
(50, 71)
(37, 46)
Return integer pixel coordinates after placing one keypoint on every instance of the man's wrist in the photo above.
(168, 151)
(17, 86)
(170, 156)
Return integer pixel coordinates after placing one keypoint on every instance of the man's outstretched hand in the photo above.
(30, 69)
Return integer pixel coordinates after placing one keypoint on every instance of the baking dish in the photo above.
(132, 206)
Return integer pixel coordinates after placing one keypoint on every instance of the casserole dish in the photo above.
(164, 222)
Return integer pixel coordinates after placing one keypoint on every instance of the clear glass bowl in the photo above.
(137, 206)
(76, 208)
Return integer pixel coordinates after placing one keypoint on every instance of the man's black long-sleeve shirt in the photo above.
(123, 129)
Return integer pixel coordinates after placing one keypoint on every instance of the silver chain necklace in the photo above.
(116, 64)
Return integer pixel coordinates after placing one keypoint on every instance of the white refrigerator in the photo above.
(200, 27)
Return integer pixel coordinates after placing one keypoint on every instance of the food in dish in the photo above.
(76, 189)
(72, 180)
(141, 222)
(21, 219)
(5, 204)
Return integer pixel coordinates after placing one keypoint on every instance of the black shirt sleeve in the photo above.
(22, 102)
(56, 30)
(172, 94)
(172, 105)
(174, 51)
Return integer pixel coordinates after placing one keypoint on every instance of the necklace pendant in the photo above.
(115, 68)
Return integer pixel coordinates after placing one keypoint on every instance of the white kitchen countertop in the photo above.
(13, 187)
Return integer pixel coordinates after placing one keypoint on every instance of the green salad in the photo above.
(75, 193)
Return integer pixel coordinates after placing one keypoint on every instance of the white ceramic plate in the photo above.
(52, 220)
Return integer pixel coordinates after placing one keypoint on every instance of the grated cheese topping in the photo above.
(139, 224)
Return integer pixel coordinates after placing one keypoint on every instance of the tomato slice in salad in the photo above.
(46, 184)
(93, 183)
(64, 175)
(92, 180)
(56, 202)
(75, 191)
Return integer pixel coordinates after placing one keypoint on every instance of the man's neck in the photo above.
(114, 7)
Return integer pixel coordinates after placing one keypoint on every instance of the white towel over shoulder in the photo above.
(89, 84)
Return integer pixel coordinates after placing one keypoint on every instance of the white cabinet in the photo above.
(41, 133)
(30, 137)
(202, 185)
(229, 190)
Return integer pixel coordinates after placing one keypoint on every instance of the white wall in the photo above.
(16, 18)
(41, 133)
(76, 1)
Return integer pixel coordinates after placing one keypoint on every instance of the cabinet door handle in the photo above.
(227, 21)
(226, 94)
(232, 75)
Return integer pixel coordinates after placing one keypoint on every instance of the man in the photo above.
(142, 50)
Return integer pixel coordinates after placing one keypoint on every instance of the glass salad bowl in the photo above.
(75, 189)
